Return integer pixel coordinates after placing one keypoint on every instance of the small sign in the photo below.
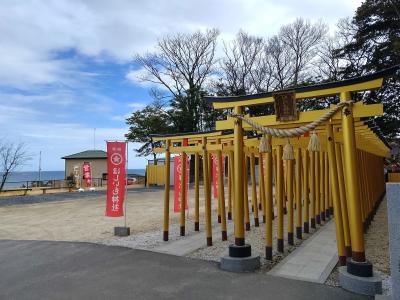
(286, 107)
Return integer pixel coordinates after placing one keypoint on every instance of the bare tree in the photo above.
(303, 39)
(240, 64)
(262, 73)
(12, 156)
(181, 62)
(327, 66)
(281, 61)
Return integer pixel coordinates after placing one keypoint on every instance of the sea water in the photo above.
(17, 179)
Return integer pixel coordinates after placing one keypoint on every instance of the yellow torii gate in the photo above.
(343, 171)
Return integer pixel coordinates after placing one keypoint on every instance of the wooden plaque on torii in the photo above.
(285, 106)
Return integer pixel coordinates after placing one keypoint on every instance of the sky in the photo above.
(66, 66)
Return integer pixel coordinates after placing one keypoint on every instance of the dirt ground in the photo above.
(83, 219)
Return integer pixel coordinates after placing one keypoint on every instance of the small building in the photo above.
(97, 159)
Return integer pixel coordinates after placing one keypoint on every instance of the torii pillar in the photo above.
(240, 258)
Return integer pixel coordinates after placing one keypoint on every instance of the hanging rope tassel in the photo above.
(288, 151)
(265, 145)
(314, 144)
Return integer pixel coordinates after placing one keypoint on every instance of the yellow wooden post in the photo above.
(196, 193)
(166, 190)
(369, 186)
(367, 189)
(268, 205)
(274, 167)
(350, 158)
(254, 189)
(279, 193)
(336, 195)
(221, 195)
(366, 196)
(343, 199)
(322, 186)
(306, 191)
(289, 182)
(261, 177)
(317, 190)
(284, 187)
(326, 187)
(299, 220)
(361, 188)
(238, 153)
(246, 193)
(312, 187)
(207, 192)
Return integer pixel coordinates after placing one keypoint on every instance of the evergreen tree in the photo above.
(375, 45)
(145, 122)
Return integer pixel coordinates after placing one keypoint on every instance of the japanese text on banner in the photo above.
(177, 184)
(87, 173)
(116, 172)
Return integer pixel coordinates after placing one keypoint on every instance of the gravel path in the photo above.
(255, 237)
(376, 249)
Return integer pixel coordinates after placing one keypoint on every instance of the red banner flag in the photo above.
(116, 162)
(178, 189)
(215, 174)
(87, 173)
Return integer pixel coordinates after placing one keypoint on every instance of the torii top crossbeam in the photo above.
(368, 134)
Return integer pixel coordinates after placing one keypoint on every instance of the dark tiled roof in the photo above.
(87, 154)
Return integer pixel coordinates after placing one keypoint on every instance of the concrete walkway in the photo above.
(313, 260)
(62, 270)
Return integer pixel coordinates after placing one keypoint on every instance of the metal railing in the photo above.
(64, 183)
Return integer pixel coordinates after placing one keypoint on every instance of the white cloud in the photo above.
(60, 128)
(137, 105)
(120, 118)
(59, 139)
(32, 31)
(47, 46)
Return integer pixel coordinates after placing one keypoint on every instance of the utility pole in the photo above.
(94, 139)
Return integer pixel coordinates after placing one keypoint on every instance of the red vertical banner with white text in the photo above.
(116, 172)
(178, 189)
(87, 173)
(215, 174)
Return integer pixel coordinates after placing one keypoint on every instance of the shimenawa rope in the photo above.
(292, 132)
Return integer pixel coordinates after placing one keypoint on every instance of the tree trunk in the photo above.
(3, 180)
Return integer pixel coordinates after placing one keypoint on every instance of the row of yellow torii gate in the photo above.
(340, 171)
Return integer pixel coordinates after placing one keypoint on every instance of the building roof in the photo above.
(87, 154)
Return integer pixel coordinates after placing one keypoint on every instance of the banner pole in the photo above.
(126, 183)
